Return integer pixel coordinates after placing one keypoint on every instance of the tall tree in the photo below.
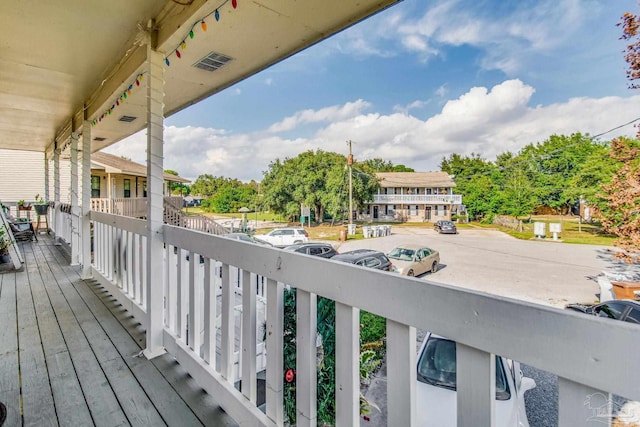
(316, 179)
(621, 213)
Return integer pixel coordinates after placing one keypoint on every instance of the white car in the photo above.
(436, 388)
(281, 237)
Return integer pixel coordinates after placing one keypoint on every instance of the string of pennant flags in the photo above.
(177, 51)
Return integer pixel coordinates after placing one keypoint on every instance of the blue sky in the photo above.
(415, 83)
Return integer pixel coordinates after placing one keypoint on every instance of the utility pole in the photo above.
(350, 163)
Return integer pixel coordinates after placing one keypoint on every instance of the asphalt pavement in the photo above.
(541, 271)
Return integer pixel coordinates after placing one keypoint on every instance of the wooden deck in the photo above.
(69, 355)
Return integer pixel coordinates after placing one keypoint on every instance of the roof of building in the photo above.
(116, 164)
(415, 179)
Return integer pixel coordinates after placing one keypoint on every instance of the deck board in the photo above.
(68, 397)
(77, 351)
(9, 379)
(37, 398)
(100, 400)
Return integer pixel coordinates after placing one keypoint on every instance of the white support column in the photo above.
(56, 194)
(75, 208)
(85, 219)
(46, 176)
(155, 240)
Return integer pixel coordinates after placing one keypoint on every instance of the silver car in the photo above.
(414, 260)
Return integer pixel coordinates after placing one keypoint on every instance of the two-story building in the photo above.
(413, 196)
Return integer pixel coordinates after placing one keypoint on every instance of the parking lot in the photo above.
(545, 272)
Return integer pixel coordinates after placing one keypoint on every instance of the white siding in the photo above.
(22, 176)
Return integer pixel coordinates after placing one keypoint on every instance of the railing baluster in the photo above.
(209, 344)
(275, 328)
(306, 376)
(581, 405)
(248, 337)
(476, 386)
(191, 330)
(347, 365)
(130, 267)
(401, 374)
(227, 327)
(180, 324)
(167, 287)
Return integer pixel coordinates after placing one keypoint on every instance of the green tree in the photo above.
(621, 211)
(474, 181)
(206, 185)
(177, 187)
(316, 179)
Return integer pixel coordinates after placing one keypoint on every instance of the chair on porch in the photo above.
(21, 228)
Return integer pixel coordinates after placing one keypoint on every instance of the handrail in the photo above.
(482, 325)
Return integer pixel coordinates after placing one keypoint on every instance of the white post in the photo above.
(56, 194)
(401, 374)
(347, 365)
(75, 209)
(306, 359)
(85, 220)
(46, 177)
(154, 285)
(476, 386)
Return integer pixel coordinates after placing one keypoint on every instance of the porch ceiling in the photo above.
(56, 57)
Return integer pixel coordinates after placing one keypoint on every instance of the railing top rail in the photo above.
(547, 338)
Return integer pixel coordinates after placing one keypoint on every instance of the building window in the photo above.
(413, 210)
(127, 188)
(144, 189)
(95, 186)
(428, 191)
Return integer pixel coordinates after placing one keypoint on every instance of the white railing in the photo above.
(135, 207)
(588, 354)
(433, 199)
(175, 216)
(62, 222)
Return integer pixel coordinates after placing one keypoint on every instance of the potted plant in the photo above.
(41, 205)
(4, 247)
(23, 206)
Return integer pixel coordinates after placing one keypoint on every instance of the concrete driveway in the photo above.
(545, 272)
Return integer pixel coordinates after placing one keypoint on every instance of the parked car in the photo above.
(436, 388)
(324, 250)
(446, 227)
(620, 309)
(281, 237)
(366, 258)
(246, 238)
(414, 260)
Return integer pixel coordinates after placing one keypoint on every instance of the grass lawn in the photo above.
(572, 230)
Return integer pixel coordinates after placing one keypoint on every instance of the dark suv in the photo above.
(324, 250)
(366, 258)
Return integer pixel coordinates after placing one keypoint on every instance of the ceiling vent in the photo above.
(212, 62)
(99, 138)
(127, 119)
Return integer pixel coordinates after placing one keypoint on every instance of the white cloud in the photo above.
(327, 114)
(483, 121)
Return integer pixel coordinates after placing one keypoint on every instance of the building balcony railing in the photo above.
(483, 325)
(418, 199)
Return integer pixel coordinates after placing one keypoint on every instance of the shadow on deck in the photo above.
(70, 355)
